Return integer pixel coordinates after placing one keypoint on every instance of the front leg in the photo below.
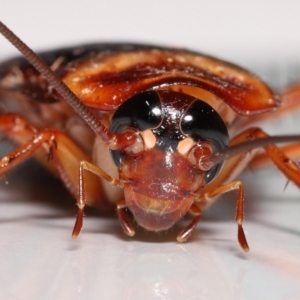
(124, 221)
(186, 232)
(239, 217)
(81, 199)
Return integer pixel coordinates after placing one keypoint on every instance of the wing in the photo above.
(104, 75)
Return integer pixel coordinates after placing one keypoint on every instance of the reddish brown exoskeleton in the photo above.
(151, 122)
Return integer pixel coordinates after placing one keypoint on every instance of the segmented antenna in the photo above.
(56, 82)
(248, 146)
(118, 141)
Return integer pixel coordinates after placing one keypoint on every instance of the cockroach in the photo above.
(166, 131)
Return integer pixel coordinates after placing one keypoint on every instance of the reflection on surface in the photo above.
(39, 259)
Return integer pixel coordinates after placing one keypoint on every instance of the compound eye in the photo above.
(142, 111)
(203, 124)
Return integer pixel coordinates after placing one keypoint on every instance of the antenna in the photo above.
(234, 150)
(113, 140)
(121, 140)
(51, 77)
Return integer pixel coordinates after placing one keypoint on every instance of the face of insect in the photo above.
(167, 145)
(162, 171)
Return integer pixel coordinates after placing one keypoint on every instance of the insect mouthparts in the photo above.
(154, 139)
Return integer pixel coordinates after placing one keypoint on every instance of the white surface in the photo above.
(38, 259)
